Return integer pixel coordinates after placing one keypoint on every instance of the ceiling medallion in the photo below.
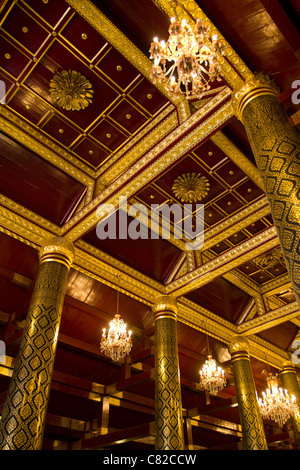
(71, 90)
(191, 187)
(195, 53)
(269, 260)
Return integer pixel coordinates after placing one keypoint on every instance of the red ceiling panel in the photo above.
(33, 182)
(221, 293)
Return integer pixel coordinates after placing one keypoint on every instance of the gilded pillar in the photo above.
(276, 148)
(289, 381)
(250, 416)
(25, 408)
(168, 407)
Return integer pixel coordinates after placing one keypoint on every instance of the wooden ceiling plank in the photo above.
(116, 437)
(223, 404)
(139, 378)
(284, 24)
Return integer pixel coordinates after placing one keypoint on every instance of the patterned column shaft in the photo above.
(168, 408)
(251, 419)
(24, 412)
(289, 381)
(276, 148)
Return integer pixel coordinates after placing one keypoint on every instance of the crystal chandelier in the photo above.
(195, 54)
(212, 377)
(276, 403)
(117, 343)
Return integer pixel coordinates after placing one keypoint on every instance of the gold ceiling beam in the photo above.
(175, 145)
(237, 222)
(225, 262)
(34, 140)
(120, 42)
(200, 319)
(105, 272)
(237, 157)
(269, 319)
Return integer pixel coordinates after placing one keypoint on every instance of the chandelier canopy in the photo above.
(195, 53)
(276, 404)
(117, 343)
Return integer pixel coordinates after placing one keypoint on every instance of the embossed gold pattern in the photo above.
(24, 412)
(168, 407)
(289, 381)
(251, 420)
(191, 187)
(258, 85)
(71, 90)
(276, 147)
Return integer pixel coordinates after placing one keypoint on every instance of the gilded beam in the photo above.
(233, 224)
(223, 263)
(118, 40)
(238, 158)
(176, 144)
(145, 290)
(269, 319)
(38, 143)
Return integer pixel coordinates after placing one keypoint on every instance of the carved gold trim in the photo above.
(270, 319)
(131, 184)
(57, 249)
(246, 216)
(238, 158)
(27, 214)
(107, 268)
(258, 85)
(118, 40)
(64, 159)
(24, 136)
(224, 263)
(130, 154)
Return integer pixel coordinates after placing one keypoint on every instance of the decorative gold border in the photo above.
(224, 262)
(131, 184)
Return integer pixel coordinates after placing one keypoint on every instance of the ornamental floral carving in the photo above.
(191, 187)
(270, 259)
(71, 90)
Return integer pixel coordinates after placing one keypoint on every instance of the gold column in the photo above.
(276, 146)
(289, 381)
(251, 419)
(24, 412)
(168, 407)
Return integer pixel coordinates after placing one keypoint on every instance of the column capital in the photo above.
(165, 306)
(258, 85)
(239, 344)
(57, 249)
(287, 366)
